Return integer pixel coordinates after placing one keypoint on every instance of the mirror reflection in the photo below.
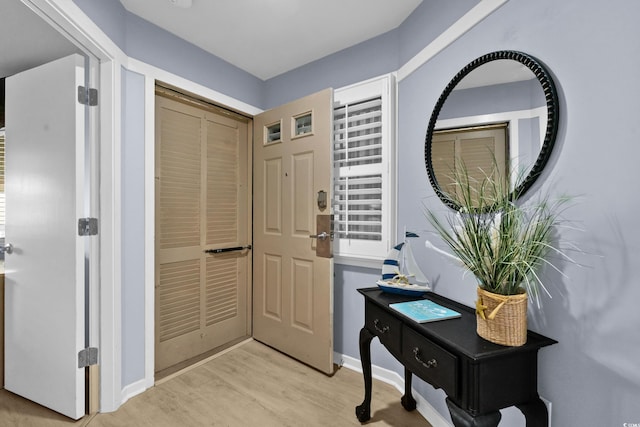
(493, 120)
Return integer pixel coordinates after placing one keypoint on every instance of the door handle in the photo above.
(324, 236)
(6, 249)
(321, 236)
(221, 250)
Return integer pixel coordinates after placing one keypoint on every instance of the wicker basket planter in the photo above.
(502, 319)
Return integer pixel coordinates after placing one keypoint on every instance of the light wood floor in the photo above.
(251, 385)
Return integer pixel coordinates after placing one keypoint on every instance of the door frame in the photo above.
(71, 21)
(104, 322)
(171, 98)
(152, 75)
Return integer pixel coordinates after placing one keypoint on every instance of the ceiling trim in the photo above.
(155, 73)
(451, 34)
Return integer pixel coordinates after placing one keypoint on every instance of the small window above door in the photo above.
(273, 133)
(302, 125)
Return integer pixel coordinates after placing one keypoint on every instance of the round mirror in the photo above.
(498, 115)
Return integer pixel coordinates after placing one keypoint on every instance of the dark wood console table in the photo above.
(479, 377)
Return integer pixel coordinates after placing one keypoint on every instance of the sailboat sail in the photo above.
(410, 268)
(401, 266)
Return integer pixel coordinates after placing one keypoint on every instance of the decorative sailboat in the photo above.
(400, 271)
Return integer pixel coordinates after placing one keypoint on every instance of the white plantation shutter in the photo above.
(357, 158)
(363, 161)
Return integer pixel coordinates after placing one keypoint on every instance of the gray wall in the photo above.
(592, 376)
(380, 55)
(372, 58)
(147, 42)
(109, 16)
(133, 333)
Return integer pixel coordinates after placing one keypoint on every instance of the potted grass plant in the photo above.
(504, 243)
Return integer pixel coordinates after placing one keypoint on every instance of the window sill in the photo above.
(374, 263)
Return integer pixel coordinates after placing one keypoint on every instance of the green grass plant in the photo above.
(504, 242)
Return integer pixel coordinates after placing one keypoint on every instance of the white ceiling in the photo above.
(26, 40)
(269, 37)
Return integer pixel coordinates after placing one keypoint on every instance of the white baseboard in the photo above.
(133, 390)
(144, 384)
(393, 378)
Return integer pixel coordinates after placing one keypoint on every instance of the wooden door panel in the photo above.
(179, 299)
(303, 198)
(202, 203)
(293, 288)
(222, 183)
(272, 287)
(272, 191)
(302, 294)
(222, 302)
(180, 186)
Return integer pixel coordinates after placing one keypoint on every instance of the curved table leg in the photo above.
(363, 411)
(408, 402)
(535, 412)
(462, 418)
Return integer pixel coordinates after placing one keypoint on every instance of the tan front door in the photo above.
(293, 286)
(202, 204)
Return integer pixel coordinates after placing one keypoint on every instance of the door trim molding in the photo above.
(469, 20)
(151, 75)
(71, 22)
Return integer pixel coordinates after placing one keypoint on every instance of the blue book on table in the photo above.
(423, 311)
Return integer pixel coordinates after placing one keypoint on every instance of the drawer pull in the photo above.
(383, 330)
(433, 363)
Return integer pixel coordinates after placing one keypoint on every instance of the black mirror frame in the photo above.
(551, 97)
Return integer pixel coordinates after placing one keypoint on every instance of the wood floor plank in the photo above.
(252, 385)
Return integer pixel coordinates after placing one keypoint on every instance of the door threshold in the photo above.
(182, 367)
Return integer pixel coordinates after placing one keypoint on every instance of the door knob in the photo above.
(320, 236)
(324, 236)
(6, 249)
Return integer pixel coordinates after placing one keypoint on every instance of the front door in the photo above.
(44, 271)
(293, 285)
(203, 233)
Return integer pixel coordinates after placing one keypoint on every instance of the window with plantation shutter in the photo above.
(363, 193)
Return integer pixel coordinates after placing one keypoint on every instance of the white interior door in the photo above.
(44, 278)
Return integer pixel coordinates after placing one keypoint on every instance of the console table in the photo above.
(479, 377)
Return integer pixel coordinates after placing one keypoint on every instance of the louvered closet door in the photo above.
(482, 151)
(202, 191)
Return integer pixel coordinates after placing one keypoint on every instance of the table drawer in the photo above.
(385, 326)
(430, 362)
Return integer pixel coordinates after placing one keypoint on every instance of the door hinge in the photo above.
(87, 226)
(88, 357)
(87, 96)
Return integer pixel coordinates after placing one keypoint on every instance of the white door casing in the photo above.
(44, 276)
